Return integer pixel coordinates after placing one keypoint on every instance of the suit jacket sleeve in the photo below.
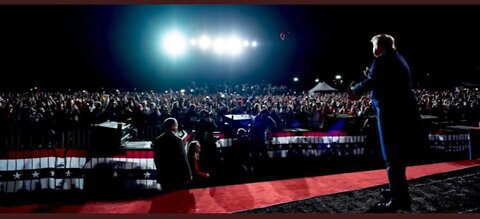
(372, 79)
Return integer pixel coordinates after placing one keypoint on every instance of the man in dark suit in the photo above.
(258, 132)
(170, 158)
(398, 117)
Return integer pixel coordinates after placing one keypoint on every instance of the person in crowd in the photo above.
(242, 152)
(97, 114)
(191, 118)
(153, 115)
(258, 133)
(211, 158)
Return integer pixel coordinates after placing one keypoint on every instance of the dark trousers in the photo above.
(394, 151)
(398, 180)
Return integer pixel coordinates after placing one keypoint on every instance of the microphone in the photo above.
(351, 95)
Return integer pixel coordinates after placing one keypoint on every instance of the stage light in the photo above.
(338, 77)
(234, 46)
(174, 44)
(219, 46)
(204, 42)
(295, 79)
(193, 42)
(317, 80)
(182, 91)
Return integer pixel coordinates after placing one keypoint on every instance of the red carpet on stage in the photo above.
(234, 198)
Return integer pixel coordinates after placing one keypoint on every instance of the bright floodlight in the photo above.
(234, 46)
(338, 77)
(254, 44)
(174, 44)
(219, 46)
(295, 79)
(193, 42)
(245, 43)
(204, 42)
(317, 80)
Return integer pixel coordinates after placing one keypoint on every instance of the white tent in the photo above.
(321, 87)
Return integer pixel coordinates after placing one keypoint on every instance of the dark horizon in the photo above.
(90, 47)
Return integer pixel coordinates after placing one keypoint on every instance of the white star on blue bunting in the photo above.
(147, 175)
(17, 175)
(35, 174)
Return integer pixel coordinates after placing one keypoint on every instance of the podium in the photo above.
(109, 138)
(139, 145)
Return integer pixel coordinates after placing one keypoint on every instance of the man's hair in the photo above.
(384, 40)
(168, 123)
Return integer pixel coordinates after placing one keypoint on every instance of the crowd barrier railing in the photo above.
(63, 163)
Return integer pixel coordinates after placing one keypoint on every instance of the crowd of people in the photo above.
(203, 109)
(289, 109)
(452, 105)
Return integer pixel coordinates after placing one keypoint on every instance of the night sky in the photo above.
(89, 47)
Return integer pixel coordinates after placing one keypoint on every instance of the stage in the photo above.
(338, 193)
